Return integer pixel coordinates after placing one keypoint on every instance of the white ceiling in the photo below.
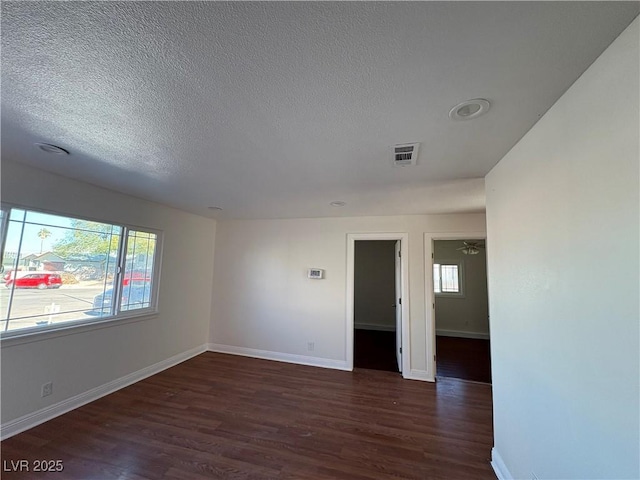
(273, 110)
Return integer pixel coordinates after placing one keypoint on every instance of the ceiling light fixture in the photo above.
(469, 109)
(217, 209)
(49, 148)
(337, 204)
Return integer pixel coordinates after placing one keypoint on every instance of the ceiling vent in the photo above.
(405, 155)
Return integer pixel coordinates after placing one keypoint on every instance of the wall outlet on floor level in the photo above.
(47, 389)
(310, 346)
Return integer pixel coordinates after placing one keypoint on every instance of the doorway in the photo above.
(377, 303)
(375, 299)
(461, 309)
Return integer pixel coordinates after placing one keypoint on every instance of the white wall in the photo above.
(466, 316)
(563, 232)
(375, 284)
(79, 362)
(263, 301)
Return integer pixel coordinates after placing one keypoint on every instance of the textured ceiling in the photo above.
(276, 109)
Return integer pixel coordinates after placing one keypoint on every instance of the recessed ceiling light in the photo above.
(217, 209)
(337, 204)
(469, 109)
(49, 148)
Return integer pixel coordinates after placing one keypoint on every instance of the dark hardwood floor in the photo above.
(375, 349)
(222, 416)
(464, 358)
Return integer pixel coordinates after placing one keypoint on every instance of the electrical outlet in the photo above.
(47, 389)
(310, 346)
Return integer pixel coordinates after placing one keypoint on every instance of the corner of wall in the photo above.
(209, 338)
(500, 469)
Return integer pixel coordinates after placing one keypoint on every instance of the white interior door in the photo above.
(398, 307)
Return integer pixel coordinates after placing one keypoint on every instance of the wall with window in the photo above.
(563, 226)
(97, 271)
(83, 358)
(467, 314)
(264, 304)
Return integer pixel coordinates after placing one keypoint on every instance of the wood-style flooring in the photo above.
(223, 416)
(375, 349)
(464, 358)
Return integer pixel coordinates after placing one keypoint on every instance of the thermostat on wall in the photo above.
(315, 273)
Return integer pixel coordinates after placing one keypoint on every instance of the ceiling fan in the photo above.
(471, 248)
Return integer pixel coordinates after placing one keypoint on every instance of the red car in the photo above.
(36, 280)
(135, 277)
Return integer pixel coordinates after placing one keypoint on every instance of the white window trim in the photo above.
(37, 333)
(461, 278)
(28, 335)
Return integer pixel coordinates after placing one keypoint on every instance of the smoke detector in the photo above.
(405, 154)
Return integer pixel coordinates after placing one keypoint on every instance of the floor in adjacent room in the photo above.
(464, 358)
(375, 349)
(223, 416)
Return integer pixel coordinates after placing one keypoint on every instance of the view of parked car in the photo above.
(39, 280)
(136, 276)
(133, 296)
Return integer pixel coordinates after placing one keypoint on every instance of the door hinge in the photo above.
(434, 358)
(400, 349)
(399, 301)
(433, 305)
(400, 253)
(432, 255)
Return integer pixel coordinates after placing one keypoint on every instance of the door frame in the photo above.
(430, 296)
(404, 288)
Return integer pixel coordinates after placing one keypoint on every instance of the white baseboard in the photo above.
(279, 357)
(500, 469)
(373, 326)
(460, 334)
(421, 375)
(13, 427)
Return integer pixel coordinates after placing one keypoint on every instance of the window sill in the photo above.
(39, 334)
(450, 295)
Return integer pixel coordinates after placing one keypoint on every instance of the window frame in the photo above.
(461, 278)
(119, 316)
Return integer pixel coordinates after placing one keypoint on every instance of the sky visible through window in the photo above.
(32, 243)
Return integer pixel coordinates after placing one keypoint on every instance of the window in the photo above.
(59, 270)
(448, 279)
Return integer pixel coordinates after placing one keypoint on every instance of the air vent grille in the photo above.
(405, 155)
